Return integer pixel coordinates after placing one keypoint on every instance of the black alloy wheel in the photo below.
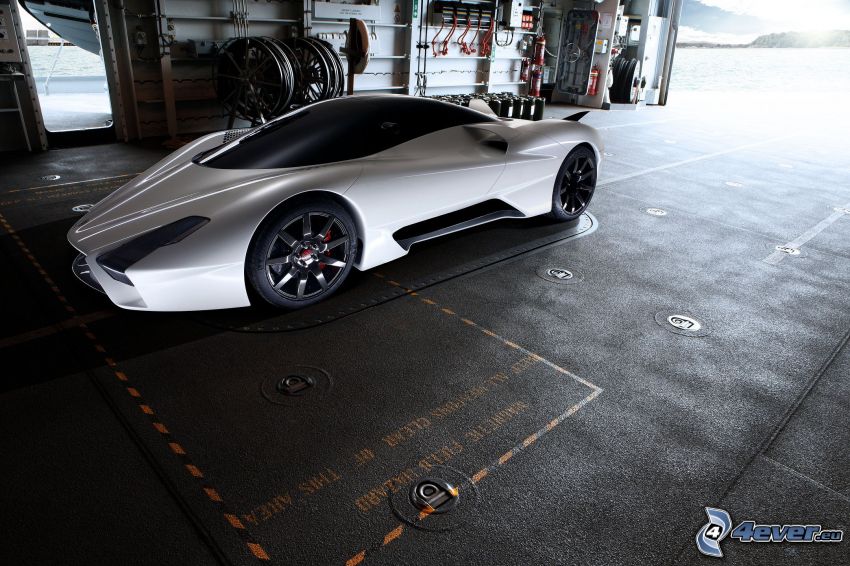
(575, 184)
(303, 255)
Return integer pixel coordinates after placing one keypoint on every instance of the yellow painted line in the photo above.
(194, 471)
(255, 548)
(530, 440)
(479, 475)
(505, 457)
(393, 534)
(356, 559)
(69, 324)
(258, 551)
(234, 521)
(212, 494)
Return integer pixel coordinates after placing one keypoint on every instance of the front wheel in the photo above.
(574, 184)
(302, 255)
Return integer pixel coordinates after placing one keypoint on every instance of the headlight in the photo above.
(116, 262)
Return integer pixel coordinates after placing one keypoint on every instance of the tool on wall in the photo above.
(454, 15)
(461, 41)
(448, 38)
(356, 51)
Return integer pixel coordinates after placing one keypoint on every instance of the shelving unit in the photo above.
(169, 90)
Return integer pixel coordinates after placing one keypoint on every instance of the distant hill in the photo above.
(835, 38)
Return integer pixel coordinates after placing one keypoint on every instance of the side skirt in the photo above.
(474, 215)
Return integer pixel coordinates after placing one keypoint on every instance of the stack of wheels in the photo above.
(625, 72)
(321, 75)
(259, 78)
(505, 104)
(254, 78)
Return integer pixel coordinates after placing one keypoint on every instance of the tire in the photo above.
(574, 184)
(285, 260)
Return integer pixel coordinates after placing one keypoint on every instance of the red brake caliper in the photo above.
(326, 239)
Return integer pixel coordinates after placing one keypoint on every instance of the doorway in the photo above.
(67, 64)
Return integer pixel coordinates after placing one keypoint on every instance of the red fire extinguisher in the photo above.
(594, 81)
(537, 63)
(523, 72)
(536, 81)
(540, 50)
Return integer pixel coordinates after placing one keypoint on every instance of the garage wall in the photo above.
(165, 50)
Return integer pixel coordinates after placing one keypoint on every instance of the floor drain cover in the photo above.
(434, 495)
(296, 385)
(49, 178)
(788, 250)
(441, 499)
(683, 323)
(656, 211)
(559, 275)
(82, 208)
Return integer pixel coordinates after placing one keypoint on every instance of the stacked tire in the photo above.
(625, 72)
(259, 78)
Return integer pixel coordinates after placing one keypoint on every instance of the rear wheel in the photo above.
(574, 184)
(302, 255)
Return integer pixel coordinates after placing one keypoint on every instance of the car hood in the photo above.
(174, 181)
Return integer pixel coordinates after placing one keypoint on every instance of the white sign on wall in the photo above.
(335, 10)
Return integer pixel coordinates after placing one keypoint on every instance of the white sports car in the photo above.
(284, 211)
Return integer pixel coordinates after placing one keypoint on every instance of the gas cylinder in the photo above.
(540, 50)
(523, 73)
(536, 81)
(594, 81)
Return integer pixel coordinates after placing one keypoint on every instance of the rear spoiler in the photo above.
(577, 116)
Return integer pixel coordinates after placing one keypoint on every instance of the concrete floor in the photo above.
(579, 430)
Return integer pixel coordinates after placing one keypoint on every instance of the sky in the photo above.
(741, 21)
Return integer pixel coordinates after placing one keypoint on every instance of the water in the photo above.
(765, 70)
(73, 62)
